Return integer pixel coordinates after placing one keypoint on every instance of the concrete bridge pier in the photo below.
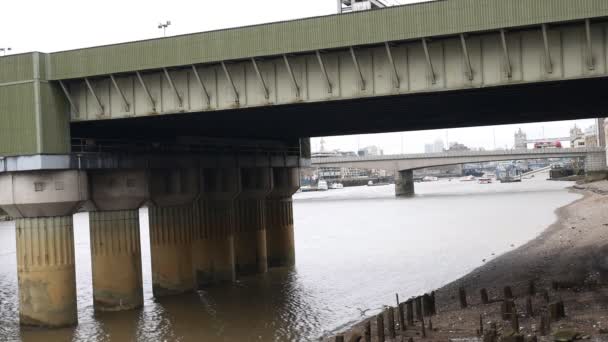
(280, 244)
(171, 214)
(43, 203)
(595, 166)
(250, 228)
(213, 246)
(404, 183)
(116, 197)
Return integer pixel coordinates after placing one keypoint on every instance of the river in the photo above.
(355, 247)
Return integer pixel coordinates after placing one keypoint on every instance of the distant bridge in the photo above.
(595, 161)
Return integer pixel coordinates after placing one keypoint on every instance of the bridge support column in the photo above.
(43, 203)
(279, 218)
(595, 166)
(171, 231)
(404, 183)
(213, 247)
(250, 233)
(116, 196)
(116, 260)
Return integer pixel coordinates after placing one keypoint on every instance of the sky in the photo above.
(57, 25)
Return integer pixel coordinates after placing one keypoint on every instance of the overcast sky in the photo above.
(56, 25)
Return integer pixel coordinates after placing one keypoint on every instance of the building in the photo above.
(577, 137)
(435, 147)
(521, 140)
(345, 6)
(455, 146)
(370, 151)
(591, 136)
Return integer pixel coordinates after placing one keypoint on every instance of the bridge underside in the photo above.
(565, 100)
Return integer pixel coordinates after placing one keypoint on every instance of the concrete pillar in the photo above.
(116, 196)
(404, 183)
(46, 272)
(279, 218)
(43, 203)
(171, 231)
(213, 247)
(116, 260)
(250, 216)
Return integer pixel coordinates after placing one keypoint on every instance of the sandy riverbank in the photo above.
(573, 252)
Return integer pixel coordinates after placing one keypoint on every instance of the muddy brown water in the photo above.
(356, 247)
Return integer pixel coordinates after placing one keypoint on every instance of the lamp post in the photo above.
(164, 27)
(4, 50)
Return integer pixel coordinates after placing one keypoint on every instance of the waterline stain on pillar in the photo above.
(250, 236)
(280, 232)
(213, 246)
(116, 260)
(171, 230)
(46, 272)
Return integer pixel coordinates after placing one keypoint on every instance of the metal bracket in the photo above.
(356, 62)
(260, 78)
(143, 85)
(548, 63)
(392, 62)
(293, 77)
(505, 51)
(467, 60)
(428, 61)
(122, 95)
(229, 77)
(172, 85)
(69, 97)
(200, 82)
(92, 91)
(590, 59)
(324, 71)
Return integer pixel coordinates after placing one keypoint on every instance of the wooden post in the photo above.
(390, 317)
(507, 309)
(430, 324)
(339, 338)
(433, 303)
(545, 295)
(515, 322)
(423, 328)
(508, 292)
(410, 312)
(355, 338)
(402, 316)
(380, 327)
(545, 325)
(480, 325)
(531, 288)
(529, 309)
(462, 295)
(368, 331)
(484, 296)
(427, 306)
(556, 311)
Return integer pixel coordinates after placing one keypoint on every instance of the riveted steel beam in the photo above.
(429, 63)
(202, 84)
(389, 54)
(467, 60)
(260, 78)
(590, 59)
(172, 85)
(291, 75)
(145, 87)
(505, 52)
(125, 103)
(229, 78)
(548, 63)
(357, 67)
(92, 91)
(69, 98)
(324, 71)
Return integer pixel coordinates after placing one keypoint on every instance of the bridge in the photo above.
(404, 164)
(209, 129)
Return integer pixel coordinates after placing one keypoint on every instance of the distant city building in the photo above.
(455, 146)
(591, 136)
(577, 137)
(370, 151)
(521, 140)
(435, 147)
(345, 6)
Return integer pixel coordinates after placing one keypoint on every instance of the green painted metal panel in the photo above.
(17, 120)
(55, 119)
(360, 28)
(15, 68)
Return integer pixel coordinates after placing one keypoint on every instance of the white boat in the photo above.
(322, 186)
(467, 179)
(430, 179)
(335, 186)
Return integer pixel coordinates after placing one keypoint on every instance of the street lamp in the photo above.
(4, 50)
(164, 27)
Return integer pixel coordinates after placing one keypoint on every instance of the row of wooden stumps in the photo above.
(553, 311)
(416, 307)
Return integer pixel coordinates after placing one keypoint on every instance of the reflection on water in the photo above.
(355, 248)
